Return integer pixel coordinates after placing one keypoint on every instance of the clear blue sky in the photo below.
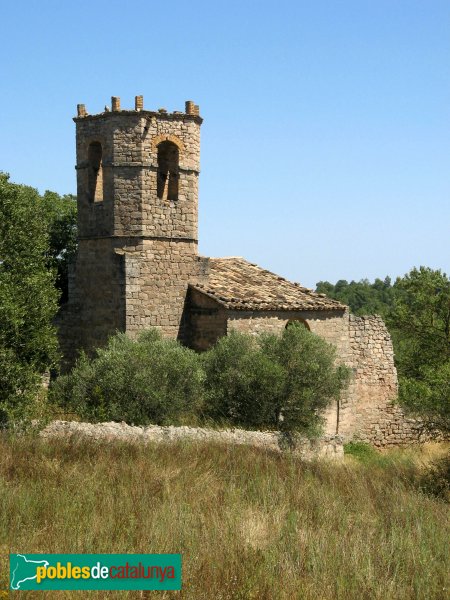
(325, 142)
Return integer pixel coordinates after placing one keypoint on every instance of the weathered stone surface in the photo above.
(138, 267)
(330, 447)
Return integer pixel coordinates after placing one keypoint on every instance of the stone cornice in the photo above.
(136, 165)
(165, 238)
(146, 114)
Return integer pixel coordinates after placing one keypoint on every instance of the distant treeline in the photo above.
(416, 309)
(363, 297)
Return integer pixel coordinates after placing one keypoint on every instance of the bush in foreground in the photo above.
(273, 381)
(150, 380)
(311, 378)
(248, 381)
(242, 383)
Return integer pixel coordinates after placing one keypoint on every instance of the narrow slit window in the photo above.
(95, 172)
(168, 173)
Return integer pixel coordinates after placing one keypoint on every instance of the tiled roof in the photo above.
(240, 285)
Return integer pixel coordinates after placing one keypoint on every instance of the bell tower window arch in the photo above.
(168, 171)
(95, 172)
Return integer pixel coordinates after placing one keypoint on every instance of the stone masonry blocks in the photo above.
(137, 257)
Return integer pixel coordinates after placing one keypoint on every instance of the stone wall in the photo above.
(158, 272)
(330, 325)
(96, 306)
(367, 411)
(329, 447)
(372, 414)
(127, 285)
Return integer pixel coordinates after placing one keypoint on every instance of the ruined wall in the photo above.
(372, 414)
(367, 411)
(329, 447)
(374, 383)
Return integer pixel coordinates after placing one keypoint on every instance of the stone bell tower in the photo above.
(137, 187)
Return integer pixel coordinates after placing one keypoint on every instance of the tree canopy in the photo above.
(61, 215)
(28, 296)
(417, 312)
(420, 324)
(363, 297)
(273, 381)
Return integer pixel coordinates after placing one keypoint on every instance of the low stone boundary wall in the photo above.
(328, 446)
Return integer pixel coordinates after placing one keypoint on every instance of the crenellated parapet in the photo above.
(192, 110)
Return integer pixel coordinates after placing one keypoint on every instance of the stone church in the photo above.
(138, 266)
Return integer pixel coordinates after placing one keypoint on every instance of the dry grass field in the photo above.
(249, 524)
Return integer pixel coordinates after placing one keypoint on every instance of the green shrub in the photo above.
(276, 382)
(148, 380)
(242, 383)
(311, 381)
(272, 381)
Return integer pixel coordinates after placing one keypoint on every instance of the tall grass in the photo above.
(250, 524)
